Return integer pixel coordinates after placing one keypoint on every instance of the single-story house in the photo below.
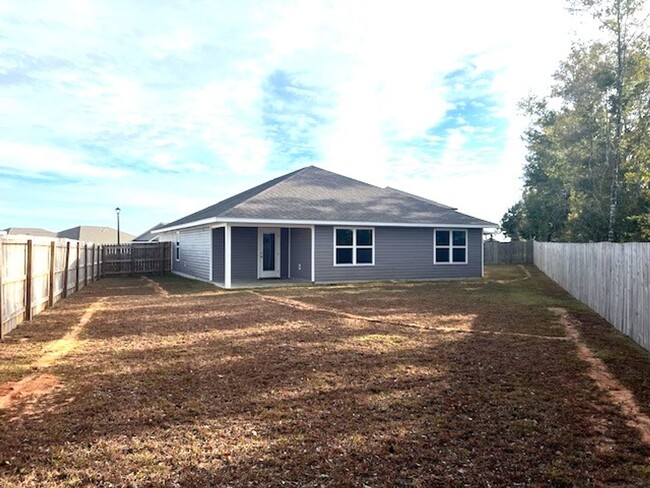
(96, 234)
(316, 226)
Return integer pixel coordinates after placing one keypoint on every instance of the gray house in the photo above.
(312, 225)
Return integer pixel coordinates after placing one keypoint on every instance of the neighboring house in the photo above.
(28, 231)
(96, 234)
(149, 235)
(316, 226)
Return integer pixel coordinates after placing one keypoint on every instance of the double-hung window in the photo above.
(354, 246)
(450, 246)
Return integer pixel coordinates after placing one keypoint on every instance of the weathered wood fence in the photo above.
(37, 272)
(612, 279)
(136, 258)
(515, 252)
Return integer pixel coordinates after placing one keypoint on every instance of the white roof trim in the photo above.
(280, 222)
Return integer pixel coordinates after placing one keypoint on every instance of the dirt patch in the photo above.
(159, 290)
(36, 385)
(32, 386)
(618, 394)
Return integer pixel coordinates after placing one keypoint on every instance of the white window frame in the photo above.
(354, 246)
(177, 247)
(451, 247)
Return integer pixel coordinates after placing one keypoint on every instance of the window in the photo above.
(354, 247)
(177, 247)
(450, 246)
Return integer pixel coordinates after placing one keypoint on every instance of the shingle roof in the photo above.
(316, 195)
(96, 234)
(29, 231)
(148, 235)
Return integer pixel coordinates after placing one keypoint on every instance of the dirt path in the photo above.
(615, 391)
(38, 383)
(450, 330)
(159, 290)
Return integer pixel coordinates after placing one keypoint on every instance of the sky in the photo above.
(163, 108)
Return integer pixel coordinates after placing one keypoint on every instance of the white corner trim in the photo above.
(227, 265)
(313, 254)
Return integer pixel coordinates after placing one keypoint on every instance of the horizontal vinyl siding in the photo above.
(218, 255)
(400, 253)
(194, 252)
(301, 254)
(244, 253)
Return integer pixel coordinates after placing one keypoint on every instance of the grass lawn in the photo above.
(462, 383)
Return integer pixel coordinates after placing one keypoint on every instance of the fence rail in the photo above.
(136, 258)
(37, 272)
(515, 252)
(612, 279)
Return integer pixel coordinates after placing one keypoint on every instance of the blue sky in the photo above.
(162, 108)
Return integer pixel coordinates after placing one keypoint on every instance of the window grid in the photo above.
(354, 247)
(450, 247)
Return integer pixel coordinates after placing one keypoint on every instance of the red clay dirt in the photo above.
(618, 394)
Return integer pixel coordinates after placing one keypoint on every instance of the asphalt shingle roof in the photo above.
(96, 234)
(314, 194)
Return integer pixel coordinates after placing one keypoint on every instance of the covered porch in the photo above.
(261, 255)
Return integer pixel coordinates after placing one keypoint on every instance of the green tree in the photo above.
(587, 175)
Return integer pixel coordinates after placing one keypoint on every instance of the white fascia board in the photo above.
(196, 223)
(309, 223)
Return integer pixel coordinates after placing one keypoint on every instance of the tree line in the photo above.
(587, 170)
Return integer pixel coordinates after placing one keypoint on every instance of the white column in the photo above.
(313, 254)
(227, 282)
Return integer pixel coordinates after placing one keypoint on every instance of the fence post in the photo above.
(85, 264)
(1, 271)
(76, 284)
(103, 260)
(28, 281)
(66, 272)
(50, 298)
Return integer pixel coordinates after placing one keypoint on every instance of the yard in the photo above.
(175, 383)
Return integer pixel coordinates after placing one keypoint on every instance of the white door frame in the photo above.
(276, 273)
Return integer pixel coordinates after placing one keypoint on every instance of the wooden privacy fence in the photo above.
(136, 258)
(515, 252)
(37, 272)
(612, 279)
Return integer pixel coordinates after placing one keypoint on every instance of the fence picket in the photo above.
(612, 279)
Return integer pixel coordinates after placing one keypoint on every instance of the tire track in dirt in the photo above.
(449, 330)
(38, 384)
(614, 390)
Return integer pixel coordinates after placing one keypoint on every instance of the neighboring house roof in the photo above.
(313, 194)
(148, 235)
(29, 231)
(96, 234)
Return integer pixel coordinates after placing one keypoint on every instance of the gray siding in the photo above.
(400, 253)
(218, 255)
(194, 254)
(244, 253)
(301, 254)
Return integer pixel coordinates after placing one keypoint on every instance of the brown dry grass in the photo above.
(212, 388)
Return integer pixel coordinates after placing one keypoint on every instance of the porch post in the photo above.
(313, 254)
(227, 282)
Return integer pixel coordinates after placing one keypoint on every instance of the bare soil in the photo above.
(471, 383)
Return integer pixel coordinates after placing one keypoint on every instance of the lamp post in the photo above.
(117, 211)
